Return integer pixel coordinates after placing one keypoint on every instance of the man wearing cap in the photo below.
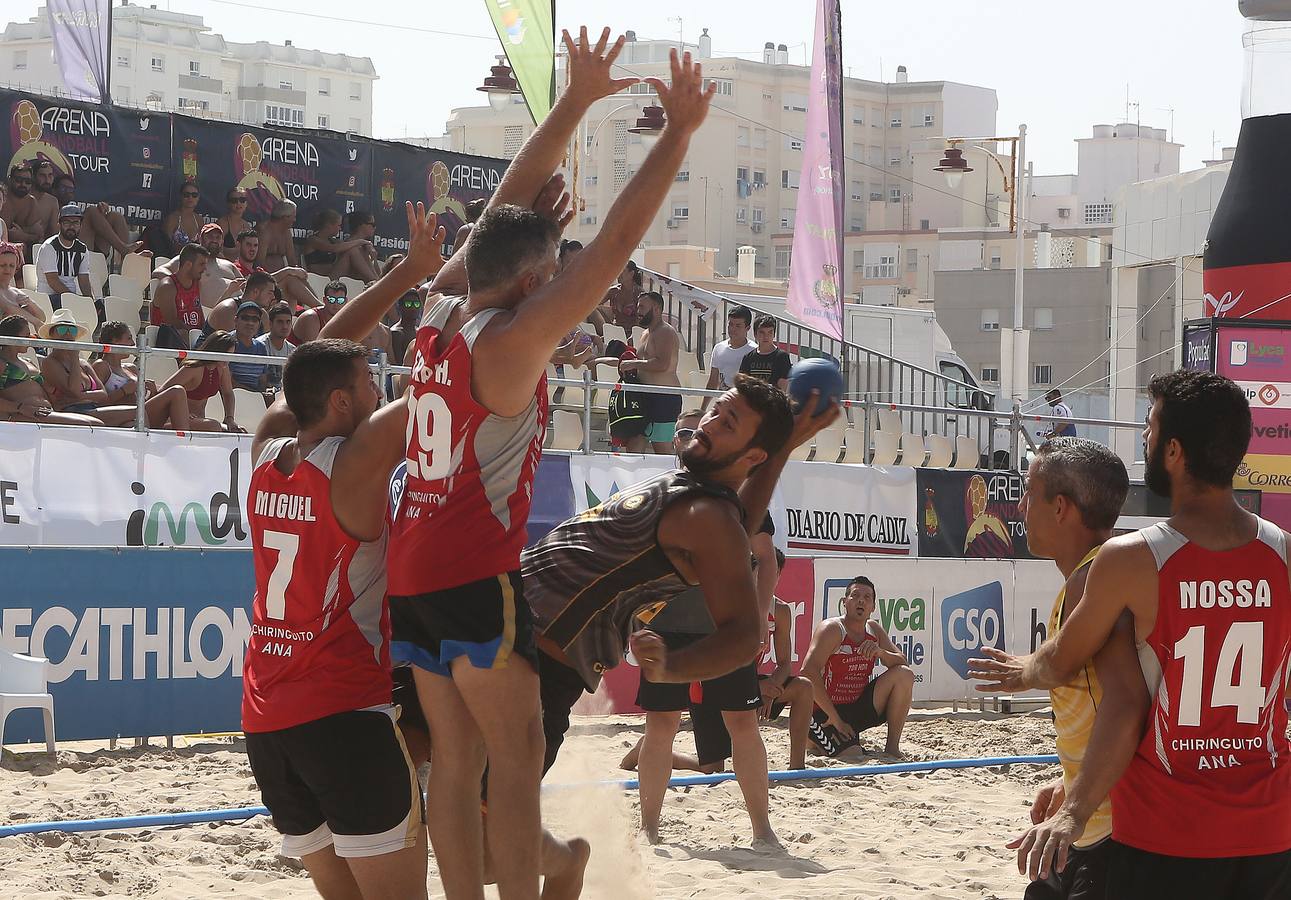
(258, 289)
(62, 264)
(250, 376)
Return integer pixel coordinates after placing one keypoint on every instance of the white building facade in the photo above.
(172, 61)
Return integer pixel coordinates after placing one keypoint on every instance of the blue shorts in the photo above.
(487, 621)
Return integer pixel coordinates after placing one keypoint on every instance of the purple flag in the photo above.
(815, 283)
(80, 29)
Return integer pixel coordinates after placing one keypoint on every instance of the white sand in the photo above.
(935, 835)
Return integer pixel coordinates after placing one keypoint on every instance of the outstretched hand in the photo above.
(425, 241)
(553, 204)
(686, 99)
(589, 67)
(1001, 672)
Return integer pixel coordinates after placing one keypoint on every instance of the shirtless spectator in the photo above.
(23, 397)
(220, 273)
(4, 198)
(326, 254)
(21, 213)
(277, 246)
(293, 281)
(620, 307)
(234, 221)
(656, 364)
(104, 230)
(311, 322)
(47, 205)
(258, 289)
(401, 334)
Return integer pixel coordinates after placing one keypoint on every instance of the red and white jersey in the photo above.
(470, 472)
(1212, 776)
(847, 672)
(188, 306)
(320, 628)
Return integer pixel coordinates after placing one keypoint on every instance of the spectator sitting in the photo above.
(14, 302)
(277, 246)
(839, 663)
(4, 226)
(258, 289)
(21, 212)
(117, 372)
(656, 364)
(250, 376)
(293, 281)
(177, 306)
(184, 225)
(103, 229)
(311, 322)
(474, 210)
(202, 379)
(724, 361)
(220, 273)
(47, 205)
(767, 361)
(61, 261)
(391, 261)
(275, 340)
(326, 254)
(620, 306)
(404, 331)
(23, 397)
(234, 222)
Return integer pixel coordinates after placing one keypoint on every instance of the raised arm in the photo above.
(755, 493)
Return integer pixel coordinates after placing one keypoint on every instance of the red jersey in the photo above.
(1212, 776)
(470, 472)
(847, 672)
(320, 629)
(188, 306)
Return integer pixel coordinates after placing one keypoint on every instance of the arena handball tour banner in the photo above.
(970, 515)
(118, 156)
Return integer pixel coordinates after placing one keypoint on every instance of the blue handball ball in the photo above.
(820, 373)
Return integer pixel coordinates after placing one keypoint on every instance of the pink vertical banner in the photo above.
(815, 270)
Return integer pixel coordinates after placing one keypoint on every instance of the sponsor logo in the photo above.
(1223, 304)
(213, 520)
(971, 620)
(905, 619)
(1265, 472)
(824, 529)
(1269, 395)
(8, 500)
(144, 122)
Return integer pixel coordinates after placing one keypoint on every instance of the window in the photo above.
(894, 195)
(759, 138)
(894, 159)
(783, 257)
(858, 115)
(286, 86)
(283, 115)
(876, 196)
(787, 217)
(895, 121)
(1043, 375)
(589, 181)
(681, 212)
(858, 259)
(995, 261)
(512, 140)
(185, 103)
(912, 260)
(742, 136)
(725, 87)
(990, 375)
(1064, 212)
(858, 190)
(990, 320)
(159, 63)
(788, 178)
(759, 180)
(682, 175)
(1043, 318)
(742, 173)
(19, 60)
(620, 174)
(929, 119)
(795, 144)
(195, 68)
(589, 218)
(876, 117)
(885, 268)
(620, 135)
(1098, 214)
(325, 87)
(759, 215)
(355, 124)
(123, 59)
(356, 91)
(923, 225)
(324, 121)
(741, 214)
(641, 88)
(794, 102)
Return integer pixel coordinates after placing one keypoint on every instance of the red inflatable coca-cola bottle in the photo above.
(1247, 262)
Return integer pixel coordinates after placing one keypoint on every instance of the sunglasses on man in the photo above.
(335, 299)
(64, 330)
(685, 433)
(410, 304)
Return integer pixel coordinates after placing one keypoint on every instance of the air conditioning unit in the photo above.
(756, 227)
(671, 223)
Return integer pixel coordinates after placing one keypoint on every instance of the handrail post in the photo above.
(587, 410)
(1015, 438)
(383, 374)
(141, 391)
(990, 442)
(869, 406)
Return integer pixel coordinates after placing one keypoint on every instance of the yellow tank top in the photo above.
(1074, 707)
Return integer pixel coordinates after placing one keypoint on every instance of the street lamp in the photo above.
(500, 86)
(650, 125)
(954, 167)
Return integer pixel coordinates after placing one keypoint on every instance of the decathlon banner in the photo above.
(142, 642)
(527, 30)
(80, 487)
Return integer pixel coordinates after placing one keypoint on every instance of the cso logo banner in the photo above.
(971, 620)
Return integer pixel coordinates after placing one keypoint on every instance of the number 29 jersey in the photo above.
(469, 488)
(320, 628)
(1212, 775)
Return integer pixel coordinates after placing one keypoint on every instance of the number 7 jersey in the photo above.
(1212, 774)
(469, 489)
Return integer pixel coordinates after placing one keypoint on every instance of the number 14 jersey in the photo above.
(470, 478)
(1212, 775)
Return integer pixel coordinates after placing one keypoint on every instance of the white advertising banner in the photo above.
(81, 487)
(833, 509)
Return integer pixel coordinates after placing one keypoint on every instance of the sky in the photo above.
(1060, 68)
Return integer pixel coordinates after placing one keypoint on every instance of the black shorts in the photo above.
(1083, 878)
(404, 696)
(733, 691)
(860, 714)
(1138, 874)
(487, 621)
(559, 687)
(343, 780)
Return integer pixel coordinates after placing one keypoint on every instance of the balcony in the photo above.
(271, 94)
(190, 83)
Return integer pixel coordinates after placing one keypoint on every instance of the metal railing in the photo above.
(991, 431)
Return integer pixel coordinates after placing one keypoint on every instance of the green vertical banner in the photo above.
(527, 30)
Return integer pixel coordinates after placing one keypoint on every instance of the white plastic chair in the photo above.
(886, 446)
(41, 299)
(98, 265)
(317, 283)
(567, 430)
(160, 367)
(941, 450)
(802, 451)
(353, 287)
(695, 379)
(82, 308)
(125, 286)
(854, 450)
(24, 684)
(829, 443)
(637, 334)
(966, 453)
(614, 333)
(158, 262)
(137, 267)
(29, 277)
(248, 409)
(123, 309)
(890, 420)
(913, 449)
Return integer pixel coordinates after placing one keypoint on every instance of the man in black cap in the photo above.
(61, 262)
(250, 376)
